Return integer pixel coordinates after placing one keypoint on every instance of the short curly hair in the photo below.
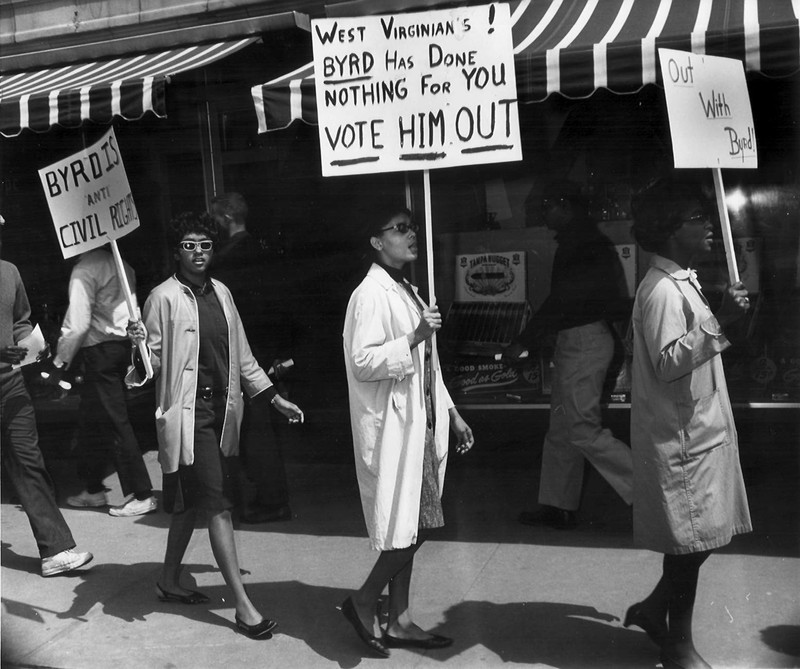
(189, 222)
(657, 209)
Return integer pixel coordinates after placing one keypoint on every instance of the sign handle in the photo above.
(132, 311)
(725, 222)
(426, 180)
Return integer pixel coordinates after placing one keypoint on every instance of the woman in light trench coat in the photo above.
(202, 363)
(688, 493)
(400, 412)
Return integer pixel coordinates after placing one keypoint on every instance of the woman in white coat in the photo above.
(400, 413)
(688, 493)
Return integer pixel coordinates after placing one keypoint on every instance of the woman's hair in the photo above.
(189, 222)
(658, 208)
(376, 218)
(380, 216)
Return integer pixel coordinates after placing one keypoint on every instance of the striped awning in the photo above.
(574, 47)
(99, 91)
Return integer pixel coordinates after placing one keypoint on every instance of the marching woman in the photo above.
(688, 492)
(400, 412)
(202, 362)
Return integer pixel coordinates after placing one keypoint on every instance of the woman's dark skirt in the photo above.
(211, 482)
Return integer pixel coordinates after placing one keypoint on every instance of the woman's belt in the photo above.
(208, 392)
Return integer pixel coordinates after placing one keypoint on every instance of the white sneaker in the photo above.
(134, 507)
(64, 561)
(88, 500)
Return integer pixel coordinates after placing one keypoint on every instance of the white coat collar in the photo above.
(382, 277)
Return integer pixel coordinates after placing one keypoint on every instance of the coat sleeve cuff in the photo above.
(712, 327)
(266, 395)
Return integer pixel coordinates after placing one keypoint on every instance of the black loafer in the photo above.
(193, 597)
(433, 641)
(656, 630)
(372, 642)
(260, 630)
(559, 519)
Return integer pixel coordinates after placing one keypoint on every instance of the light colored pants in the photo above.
(582, 358)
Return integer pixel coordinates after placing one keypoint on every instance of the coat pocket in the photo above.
(168, 426)
(705, 425)
(400, 391)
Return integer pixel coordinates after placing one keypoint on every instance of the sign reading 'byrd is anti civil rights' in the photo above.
(710, 118)
(416, 91)
(89, 197)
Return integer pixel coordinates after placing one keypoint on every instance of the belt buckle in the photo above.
(205, 393)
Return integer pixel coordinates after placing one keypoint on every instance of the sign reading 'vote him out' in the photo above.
(416, 91)
(710, 118)
(89, 197)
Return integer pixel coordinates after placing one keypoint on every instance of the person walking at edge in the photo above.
(688, 493)
(20, 438)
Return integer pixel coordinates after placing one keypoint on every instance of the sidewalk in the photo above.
(507, 593)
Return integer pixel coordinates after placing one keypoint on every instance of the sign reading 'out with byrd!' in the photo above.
(710, 118)
(89, 197)
(416, 91)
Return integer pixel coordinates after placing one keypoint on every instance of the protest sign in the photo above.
(89, 197)
(416, 91)
(91, 205)
(711, 123)
(710, 118)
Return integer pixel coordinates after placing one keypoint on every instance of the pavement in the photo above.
(507, 593)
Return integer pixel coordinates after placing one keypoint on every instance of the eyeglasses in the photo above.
(402, 228)
(702, 217)
(205, 245)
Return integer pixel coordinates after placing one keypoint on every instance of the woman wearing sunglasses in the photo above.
(400, 412)
(203, 363)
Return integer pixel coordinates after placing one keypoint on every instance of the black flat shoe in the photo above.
(433, 641)
(259, 630)
(657, 631)
(691, 660)
(193, 597)
(559, 519)
(373, 643)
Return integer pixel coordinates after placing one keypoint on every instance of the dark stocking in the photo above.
(680, 579)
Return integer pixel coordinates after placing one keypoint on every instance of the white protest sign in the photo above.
(89, 197)
(710, 118)
(411, 91)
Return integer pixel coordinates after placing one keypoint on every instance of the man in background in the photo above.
(238, 263)
(93, 335)
(587, 294)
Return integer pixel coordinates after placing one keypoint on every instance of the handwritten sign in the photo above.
(416, 91)
(710, 118)
(89, 197)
